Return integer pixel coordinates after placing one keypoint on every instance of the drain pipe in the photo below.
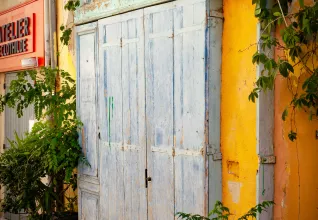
(47, 43)
(53, 33)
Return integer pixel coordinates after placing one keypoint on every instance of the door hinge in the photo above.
(4, 146)
(267, 159)
(4, 86)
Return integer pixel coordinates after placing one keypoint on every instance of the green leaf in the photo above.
(290, 67)
(277, 14)
(292, 135)
(259, 58)
(285, 113)
(258, 11)
(283, 69)
(301, 3)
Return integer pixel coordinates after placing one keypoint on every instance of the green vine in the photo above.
(71, 6)
(298, 43)
(221, 212)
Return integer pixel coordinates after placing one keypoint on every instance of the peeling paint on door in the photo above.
(95, 10)
(152, 109)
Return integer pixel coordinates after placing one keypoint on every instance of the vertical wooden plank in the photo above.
(189, 54)
(265, 177)
(265, 145)
(134, 136)
(87, 99)
(159, 102)
(86, 41)
(122, 110)
(214, 39)
(110, 114)
(265, 139)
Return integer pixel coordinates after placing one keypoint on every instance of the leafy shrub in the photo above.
(50, 150)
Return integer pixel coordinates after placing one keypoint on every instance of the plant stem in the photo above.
(280, 7)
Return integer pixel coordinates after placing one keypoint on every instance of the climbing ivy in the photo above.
(298, 66)
(71, 6)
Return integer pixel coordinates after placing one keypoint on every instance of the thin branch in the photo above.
(280, 7)
(247, 48)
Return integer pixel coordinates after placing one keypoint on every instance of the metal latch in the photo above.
(147, 178)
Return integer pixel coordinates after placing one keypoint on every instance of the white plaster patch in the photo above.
(235, 191)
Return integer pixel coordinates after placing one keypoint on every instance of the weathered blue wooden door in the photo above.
(145, 113)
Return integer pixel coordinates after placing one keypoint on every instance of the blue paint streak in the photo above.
(105, 35)
(206, 77)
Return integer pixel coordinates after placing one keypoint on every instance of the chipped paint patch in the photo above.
(235, 191)
(233, 168)
(105, 8)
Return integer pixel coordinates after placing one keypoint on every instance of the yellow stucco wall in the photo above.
(238, 115)
(66, 54)
(296, 184)
(66, 58)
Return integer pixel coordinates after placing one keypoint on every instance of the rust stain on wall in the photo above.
(233, 168)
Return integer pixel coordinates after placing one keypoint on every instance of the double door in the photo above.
(141, 97)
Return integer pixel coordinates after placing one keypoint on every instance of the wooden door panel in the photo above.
(175, 58)
(87, 105)
(159, 67)
(89, 206)
(134, 133)
(87, 99)
(189, 106)
(110, 120)
(122, 117)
